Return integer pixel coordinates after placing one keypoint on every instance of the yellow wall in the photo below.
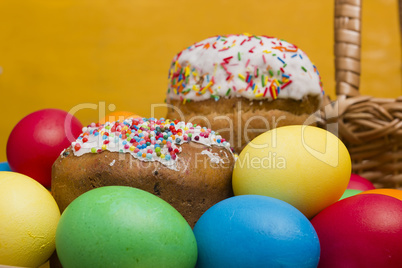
(73, 54)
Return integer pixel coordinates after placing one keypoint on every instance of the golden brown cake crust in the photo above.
(196, 186)
(307, 105)
(240, 120)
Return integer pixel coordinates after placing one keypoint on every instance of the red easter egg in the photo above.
(361, 231)
(357, 182)
(38, 139)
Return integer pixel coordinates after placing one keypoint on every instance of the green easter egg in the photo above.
(349, 193)
(119, 226)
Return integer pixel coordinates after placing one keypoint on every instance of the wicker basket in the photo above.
(371, 128)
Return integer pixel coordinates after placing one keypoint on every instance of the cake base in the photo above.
(203, 178)
(240, 120)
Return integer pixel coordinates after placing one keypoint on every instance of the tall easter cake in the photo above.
(243, 85)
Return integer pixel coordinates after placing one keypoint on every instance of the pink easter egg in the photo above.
(361, 231)
(357, 182)
(38, 139)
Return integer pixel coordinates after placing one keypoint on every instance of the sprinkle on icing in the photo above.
(145, 139)
(254, 67)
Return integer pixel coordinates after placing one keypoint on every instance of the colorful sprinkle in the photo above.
(77, 147)
(280, 60)
(145, 139)
(196, 79)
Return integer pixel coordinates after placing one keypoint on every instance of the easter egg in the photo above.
(385, 191)
(29, 217)
(4, 166)
(255, 231)
(306, 166)
(120, 226)
(349, 193)
(118, 116)
(357, 182)
(364, 230)
(38, 139)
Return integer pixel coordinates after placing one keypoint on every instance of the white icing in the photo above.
(213, 156)
(219, 67)
(127, 137)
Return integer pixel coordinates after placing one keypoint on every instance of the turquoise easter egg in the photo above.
(4, 166)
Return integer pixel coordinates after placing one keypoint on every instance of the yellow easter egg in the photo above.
(306, 166)
(29, 218)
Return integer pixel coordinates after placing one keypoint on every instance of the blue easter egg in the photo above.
(4, 166)
(255, 231)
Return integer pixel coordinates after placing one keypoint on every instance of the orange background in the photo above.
(87, 55)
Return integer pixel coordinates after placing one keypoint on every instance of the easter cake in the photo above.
(243, 85)
(187, 165)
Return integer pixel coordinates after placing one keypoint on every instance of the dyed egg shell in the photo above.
(357, 182)
(4, 166)
(120, 226)
(349, 193)
(306, 166)
(38, 139)
(255, 231)
(29, 217)
(390, 192)
(364, 230)
(118, 116)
